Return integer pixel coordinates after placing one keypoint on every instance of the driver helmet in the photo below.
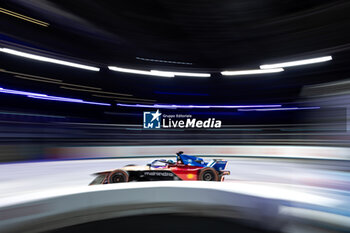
(170, 161)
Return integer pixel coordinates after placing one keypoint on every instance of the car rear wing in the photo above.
(217, 164)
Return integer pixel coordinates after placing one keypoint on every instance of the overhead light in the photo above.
(192, 74)
(144, 72)
(247, 72)
(161, 73)
(95, 91)
(277, 109)
(47, 59)
(23, 17)
(30, 75)
(297, 63)
(158, 72)
(183, 73)
(62, 99)
(174, 106)
(30, 114)
(48, 97)
(163, 61)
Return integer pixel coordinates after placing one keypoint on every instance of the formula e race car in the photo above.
(186, 167)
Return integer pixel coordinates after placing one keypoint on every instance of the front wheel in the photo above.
(208, 174)
(118, 176)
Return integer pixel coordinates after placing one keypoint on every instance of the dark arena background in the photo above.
(92, 91)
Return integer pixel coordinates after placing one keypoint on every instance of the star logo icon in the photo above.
(156, 115)
(151, 120)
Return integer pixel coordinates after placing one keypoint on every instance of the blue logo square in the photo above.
(151, 120)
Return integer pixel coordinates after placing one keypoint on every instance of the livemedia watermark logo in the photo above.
(157, 120)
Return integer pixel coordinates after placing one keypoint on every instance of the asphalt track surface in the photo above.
(324, 178)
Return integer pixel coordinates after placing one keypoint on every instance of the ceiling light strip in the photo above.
(29, 75)
(54, 82)
(174, 106)
(47, 59)
(143, 72)
(3, 10)
(82, 86)
(48, 97)
(124, 98)
(37, 80)
(250, 72)
(132, 102)
(157, 72)
(116, 99)
(95, 91)
(23, 17)
(163, 61)
(183, 73)
(277, 109)
(297, 63)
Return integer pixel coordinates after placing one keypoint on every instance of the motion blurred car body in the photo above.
(186, 167)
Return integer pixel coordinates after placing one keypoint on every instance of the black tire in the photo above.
(208, 174)
(118, 176)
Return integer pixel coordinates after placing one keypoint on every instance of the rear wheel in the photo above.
(118, 176)
(208, 174)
